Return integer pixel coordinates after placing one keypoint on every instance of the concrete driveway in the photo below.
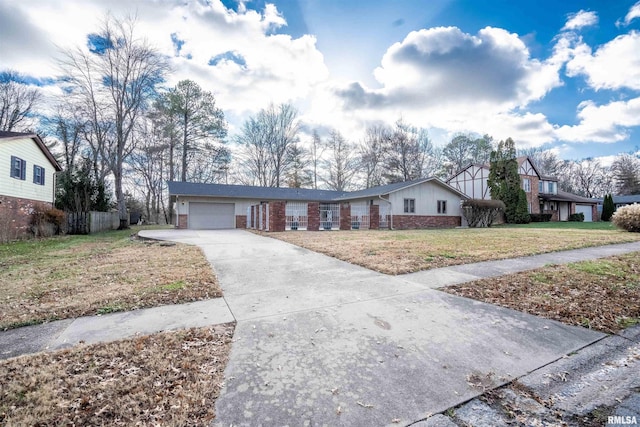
(319, 341)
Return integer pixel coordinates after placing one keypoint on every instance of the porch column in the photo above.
(374, 217)
(345, 216)
(313, 216)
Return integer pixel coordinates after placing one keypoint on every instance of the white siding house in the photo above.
(27, 179)
(27, 168)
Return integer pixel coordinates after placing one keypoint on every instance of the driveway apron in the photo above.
(319, 341)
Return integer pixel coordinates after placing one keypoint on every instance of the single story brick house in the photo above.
(27, 178)
(423, 203)
(542, 192)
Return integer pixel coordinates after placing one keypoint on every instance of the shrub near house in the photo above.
(627, 218)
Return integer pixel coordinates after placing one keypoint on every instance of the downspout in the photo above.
(177, 209)
(390, 211)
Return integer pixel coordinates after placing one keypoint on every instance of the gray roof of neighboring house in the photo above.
(563, 196)
(177, 188)
(631, 198)
(17, 135)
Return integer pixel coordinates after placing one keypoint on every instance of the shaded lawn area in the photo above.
(169, 378)
(406, 251)
(72, 276)
(601, 294)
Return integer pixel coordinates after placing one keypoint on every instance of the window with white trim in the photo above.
(409, 205)
(18, 168)
(442, 206)
(38, 175)
(526, 185)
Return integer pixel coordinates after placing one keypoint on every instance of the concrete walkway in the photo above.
(322, 342)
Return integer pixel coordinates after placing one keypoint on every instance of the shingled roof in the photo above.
(177, 188)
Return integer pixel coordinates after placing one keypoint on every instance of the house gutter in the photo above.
(390, 211)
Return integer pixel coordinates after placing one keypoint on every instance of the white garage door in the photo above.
(210, 216)
(586, 210)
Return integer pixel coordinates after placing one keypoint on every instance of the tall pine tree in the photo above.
(504, 181)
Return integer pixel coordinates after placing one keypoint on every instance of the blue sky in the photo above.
(558, 75)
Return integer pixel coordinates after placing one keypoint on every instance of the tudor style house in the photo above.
(543, 195)
(27, 178)
(423, 203)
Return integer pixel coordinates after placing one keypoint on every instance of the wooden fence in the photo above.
(91, 222)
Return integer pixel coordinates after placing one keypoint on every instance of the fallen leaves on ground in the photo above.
(169, 378)
(86, 277)
(602, 294)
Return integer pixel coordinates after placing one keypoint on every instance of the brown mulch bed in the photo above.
(169, 379)
(602, 294)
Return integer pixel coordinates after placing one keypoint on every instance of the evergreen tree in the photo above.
(522, 215)
(607, 208)
(504, 181)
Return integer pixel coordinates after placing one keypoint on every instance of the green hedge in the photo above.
(540, 217)
(576, 217)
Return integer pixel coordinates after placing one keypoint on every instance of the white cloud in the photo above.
(634, 12)
(445, 78)
(602, 123)
(580, 20)
(614, 65)
(265, 67)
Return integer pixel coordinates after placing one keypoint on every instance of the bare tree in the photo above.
(113, 81)
(341, 165)
(408, 154)
(372, 153)
(17, 102)
(545, 161)
(626, 171)
(315, 154)
(265, 144)
(148, 161)
(586, 177)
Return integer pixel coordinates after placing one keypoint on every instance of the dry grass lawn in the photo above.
(399, 252)
(602, 294)
(73, 276)
(169, 379)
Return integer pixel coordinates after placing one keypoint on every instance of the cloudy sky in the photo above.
(557, 74)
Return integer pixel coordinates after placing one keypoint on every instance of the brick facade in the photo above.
(241, 221)
(313, 216)
(277, 216)
(183, 221)
(15, 216)
(533, 199)
(374, 217)
(345, 216)
(410, 222)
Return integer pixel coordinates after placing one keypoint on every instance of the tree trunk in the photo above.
(122, 205)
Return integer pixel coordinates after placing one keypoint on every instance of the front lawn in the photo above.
(602, 294)
(406, 251)
(71, 276)
(168, 379)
